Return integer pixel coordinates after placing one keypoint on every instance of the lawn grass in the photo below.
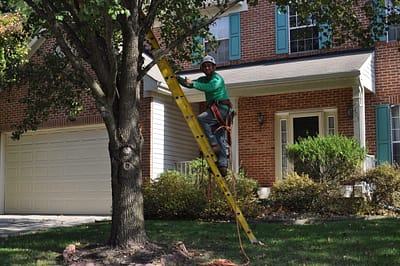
(349, 242)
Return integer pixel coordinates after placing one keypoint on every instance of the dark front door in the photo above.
(304, 127)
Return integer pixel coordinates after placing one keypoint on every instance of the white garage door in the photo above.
(58, 172)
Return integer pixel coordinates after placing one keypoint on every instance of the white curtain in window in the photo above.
(220, 28)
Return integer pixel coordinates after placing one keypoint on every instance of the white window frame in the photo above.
(325, 116)
(393, 33)
(311, 24)
(395, 126)
(220, 30)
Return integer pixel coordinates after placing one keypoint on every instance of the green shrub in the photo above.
(301, 195)
(385, 181)
(326, 158)
(330, 202)
(295, 193)
(198, 171)
(176, 196)
(173, 196)
(244, 192)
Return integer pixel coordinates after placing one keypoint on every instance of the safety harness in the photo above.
(227, 123)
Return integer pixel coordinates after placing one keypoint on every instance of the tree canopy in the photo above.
(13, 48)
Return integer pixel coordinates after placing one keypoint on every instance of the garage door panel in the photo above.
(62, 172)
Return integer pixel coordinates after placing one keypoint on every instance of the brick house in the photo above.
(282, 88)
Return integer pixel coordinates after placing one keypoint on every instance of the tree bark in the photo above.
(125, 148)
(127, 226)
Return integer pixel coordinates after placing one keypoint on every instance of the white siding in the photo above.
(367, 74)
(172, 140)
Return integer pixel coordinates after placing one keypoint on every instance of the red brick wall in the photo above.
(387, 70)
(257, 145)
(257, 30)
(13, 112)
(145, 119)
(387, 85)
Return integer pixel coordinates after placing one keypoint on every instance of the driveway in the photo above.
(16, 224)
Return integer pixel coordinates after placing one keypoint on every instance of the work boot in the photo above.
(223, 170)
(216, 149)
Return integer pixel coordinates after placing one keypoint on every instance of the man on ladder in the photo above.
(216, 120)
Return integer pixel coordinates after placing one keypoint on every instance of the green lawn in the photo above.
(350, 242)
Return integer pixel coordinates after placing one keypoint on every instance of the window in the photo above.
(395, 113)
(227, 31)
(303, 35)
(331, 125)
(294, 35)
(220, 30)
(394, 33)
(393, 30)
(284, 160)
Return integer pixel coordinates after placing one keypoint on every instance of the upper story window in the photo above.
(303, 35)
(295, 35)
(393, 33)
(220, 30)
(227, 31)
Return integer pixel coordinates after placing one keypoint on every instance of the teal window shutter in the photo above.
(325, 35)
(381, 14)
(281, 31)
(194, 54)
(234, 36)
(383, 134)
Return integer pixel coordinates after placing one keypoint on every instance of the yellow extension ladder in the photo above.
(198, 133)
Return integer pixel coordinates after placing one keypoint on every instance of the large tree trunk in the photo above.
(125, 152)
(127, 201)
(126, 180)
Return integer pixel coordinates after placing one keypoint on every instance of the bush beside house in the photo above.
(317, 191)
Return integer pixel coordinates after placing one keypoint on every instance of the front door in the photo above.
(304, 127)
(292, 126)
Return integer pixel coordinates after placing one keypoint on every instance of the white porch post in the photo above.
(359, 116)
(235, 138)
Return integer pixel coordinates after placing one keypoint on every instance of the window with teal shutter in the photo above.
(234, 36)
(300, 36)
(281, 31)
(383, 134)
(324, 36)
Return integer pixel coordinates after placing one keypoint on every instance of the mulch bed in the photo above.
(150, 254)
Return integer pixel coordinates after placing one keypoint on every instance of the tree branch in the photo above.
(77, 63)
(190, 31)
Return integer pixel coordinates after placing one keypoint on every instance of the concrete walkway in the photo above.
(16, 224)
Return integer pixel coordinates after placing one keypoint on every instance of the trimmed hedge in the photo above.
(326, 158)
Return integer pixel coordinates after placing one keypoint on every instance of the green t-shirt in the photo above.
(214, 89)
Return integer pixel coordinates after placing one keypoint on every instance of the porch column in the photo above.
(359, 114)
(235, 137)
